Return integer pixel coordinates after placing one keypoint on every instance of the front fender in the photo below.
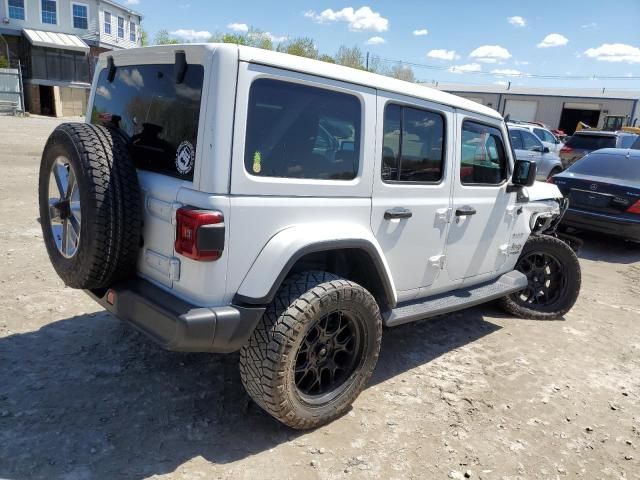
(284, 249)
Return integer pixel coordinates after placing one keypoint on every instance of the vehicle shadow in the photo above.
(599, 247)
(89, 397)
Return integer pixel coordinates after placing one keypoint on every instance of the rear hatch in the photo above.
(154, 100)
(582, 143)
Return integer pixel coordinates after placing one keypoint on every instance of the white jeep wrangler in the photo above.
(223, 198)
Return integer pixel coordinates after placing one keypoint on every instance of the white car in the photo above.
(547, 138)
(223, 198)
(528, 147)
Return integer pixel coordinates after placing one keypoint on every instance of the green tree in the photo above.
(4, 63)
(350, 57)
(144, 37)
(326, 58)
(163, 38)
(302, 47)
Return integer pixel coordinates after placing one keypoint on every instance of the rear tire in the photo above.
(319, 329)
(554, 275)
(103, 207)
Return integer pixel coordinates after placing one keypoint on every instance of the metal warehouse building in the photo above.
(559, 108)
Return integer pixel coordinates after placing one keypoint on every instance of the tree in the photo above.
(402, 72)
(302, 47)
(326, 58)
(144, 37)
(163, 38)
(4, 63)
(350, 57)
(259, 39)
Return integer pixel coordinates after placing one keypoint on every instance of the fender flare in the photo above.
(270, 268)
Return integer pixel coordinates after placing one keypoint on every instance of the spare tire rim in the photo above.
(546, 278)
(65, 216)
(330, 354)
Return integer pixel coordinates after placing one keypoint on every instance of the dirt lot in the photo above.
(477, 392)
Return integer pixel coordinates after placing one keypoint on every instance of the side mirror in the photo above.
(524, 173)
(545, 150)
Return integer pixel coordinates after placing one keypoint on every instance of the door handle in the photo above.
(397, 213)
(465, 211)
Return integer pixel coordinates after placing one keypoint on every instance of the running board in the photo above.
(422, 308)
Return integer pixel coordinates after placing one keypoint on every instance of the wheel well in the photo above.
(353, 264)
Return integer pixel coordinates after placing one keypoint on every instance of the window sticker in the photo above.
(185, 157)
(257, 162)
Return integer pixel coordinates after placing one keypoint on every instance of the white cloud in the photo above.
(421, 32)
(521, 62)
(504, 83)
(192, 35)
(103, 92)
(132, 2)
(442, 54)
(238, 27)
(375, 41)
(593, 25)
(615, 52)
(490, 54)
(276, 38)
(360, 20)
(553, 40)
(132, 78)
(469, 67)
(507, 72)
(517, 21)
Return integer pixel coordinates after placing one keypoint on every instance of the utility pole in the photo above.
(367, 62)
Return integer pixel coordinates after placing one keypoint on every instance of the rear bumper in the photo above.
(178, 325)
(602, 223)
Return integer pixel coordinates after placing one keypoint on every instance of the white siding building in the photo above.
(57, 43)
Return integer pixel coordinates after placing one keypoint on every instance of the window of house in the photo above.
(80, 16)
(16, 9)
(49, 11)
(107, 23)
(298, 131)
(413, 145)
(483, 160)
(132, 31)
(120, 27)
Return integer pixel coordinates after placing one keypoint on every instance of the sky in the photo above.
(467, 41)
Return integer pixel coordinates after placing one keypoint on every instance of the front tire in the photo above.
(554, 276)
(313, 351)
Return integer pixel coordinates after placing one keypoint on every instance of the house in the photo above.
(57, 43)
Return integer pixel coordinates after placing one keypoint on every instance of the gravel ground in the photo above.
(475, 393)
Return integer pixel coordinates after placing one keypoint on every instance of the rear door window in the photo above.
(158, 116)
(483, 159)
(413, 145)
(592, 142)
(299, 131)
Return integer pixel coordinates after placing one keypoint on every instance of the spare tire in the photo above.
(90, 208)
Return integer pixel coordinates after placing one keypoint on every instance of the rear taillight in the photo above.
(566, 149)
(199, 234)
(635, 208)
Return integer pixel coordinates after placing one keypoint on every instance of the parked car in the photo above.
(223, 198)
(547, 138)
(585, 141)
(603, 189)
(529, 147)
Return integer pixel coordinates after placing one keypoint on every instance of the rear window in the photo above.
(298, 131)
(158, 116)
(619, 167)
(591, 142)
(626, 141)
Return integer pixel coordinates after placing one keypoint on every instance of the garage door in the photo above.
(523, 110)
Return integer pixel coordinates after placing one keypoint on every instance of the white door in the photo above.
(482, 216)
(523, 110)
(411, 188)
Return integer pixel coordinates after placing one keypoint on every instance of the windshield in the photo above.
(158, 116)
(592, 142)
(618, 167)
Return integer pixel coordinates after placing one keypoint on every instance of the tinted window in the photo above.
(625, 141)
(544, 135)
(516, 139)
(636, 145)
(483, 160)
(530, 141)
(297, 131)
(413, 145)
(618, 167)
(158, 116)
(591, 142)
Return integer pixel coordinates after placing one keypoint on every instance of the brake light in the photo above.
(199, 234)
(566, 149)
(635, 208)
